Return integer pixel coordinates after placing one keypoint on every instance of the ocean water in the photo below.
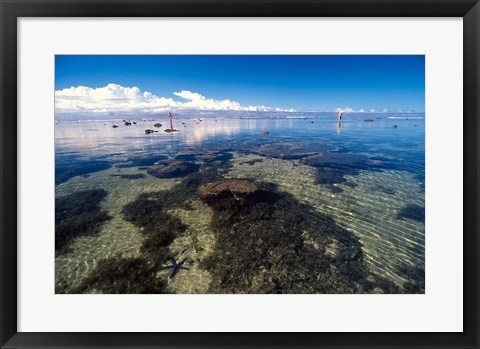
(340, 207)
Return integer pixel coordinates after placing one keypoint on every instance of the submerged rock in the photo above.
(414, 212)
(229, 187)
(172, 169)
(394, 126)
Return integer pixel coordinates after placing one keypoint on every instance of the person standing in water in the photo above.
(170, 116)
(339, 125)
(171, 129)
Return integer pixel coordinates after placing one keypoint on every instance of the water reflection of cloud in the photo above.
(98, 138)
(208, 129)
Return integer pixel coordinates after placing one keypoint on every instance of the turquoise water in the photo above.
(365, 177)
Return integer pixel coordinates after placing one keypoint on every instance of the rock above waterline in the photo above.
(233, 187)
(172, 169)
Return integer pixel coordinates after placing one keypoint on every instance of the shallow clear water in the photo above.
(361, 174)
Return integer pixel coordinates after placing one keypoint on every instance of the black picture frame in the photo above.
(11, 10)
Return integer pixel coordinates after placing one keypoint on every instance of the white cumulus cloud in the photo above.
(350, 110)
(117, 98)
(344, 110)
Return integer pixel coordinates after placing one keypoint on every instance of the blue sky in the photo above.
(304, 83)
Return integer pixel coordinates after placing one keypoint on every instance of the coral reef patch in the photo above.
(66, 170)
(172, 169)
(271, 243)
(78, 214)
(414, 212)
(121, 276)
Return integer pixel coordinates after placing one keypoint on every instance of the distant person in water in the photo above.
(170, 116)
(339, 125)
(171, 129)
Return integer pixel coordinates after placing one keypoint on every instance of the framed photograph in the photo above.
(239, 174)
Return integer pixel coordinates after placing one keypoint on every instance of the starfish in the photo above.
(175, 267)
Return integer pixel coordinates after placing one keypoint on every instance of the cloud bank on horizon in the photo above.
(361, 110)
(115, 98)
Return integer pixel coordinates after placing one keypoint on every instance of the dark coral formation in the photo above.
(271, 243)
(64, 170)
(172, 169)
(338, 160)
(330, 176)
(186, 157)
(121, 276)
(332, 167)
(78, 214)
(416, 278)
(414, 212)
(158, 227)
